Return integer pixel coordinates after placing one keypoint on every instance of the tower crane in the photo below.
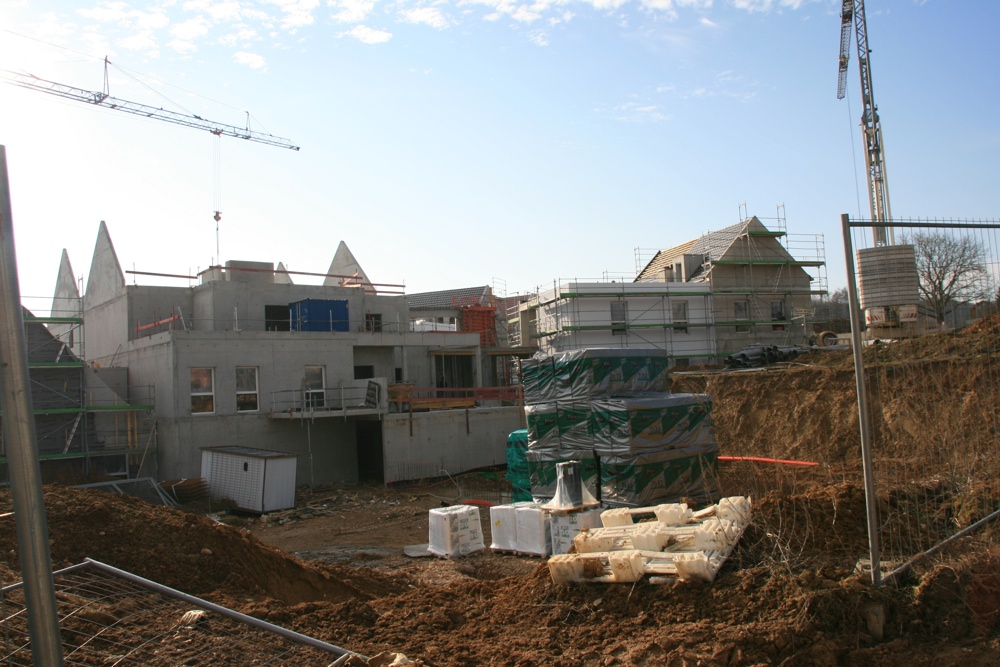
(853, 15)
(887, 273)
(104, 99)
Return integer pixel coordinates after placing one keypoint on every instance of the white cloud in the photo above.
(106, 12)
(251, 60)
(431, 16)
(191, 29)
(351, 11)
(95, 42)
(639, 113)
(525, 14)
(708, 23)
(766, 5)
(228, 10)
(614, 4)
(367, 35)
(243, 35)
(539, 37)
(51, 28)
(182, 46)
(296, 13)
(140, 41)
(154, 19)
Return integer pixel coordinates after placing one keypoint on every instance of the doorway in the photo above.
(369, 447)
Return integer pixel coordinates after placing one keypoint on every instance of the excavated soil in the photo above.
(334, 568)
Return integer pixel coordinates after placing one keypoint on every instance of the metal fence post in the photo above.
(19, 433)
(871, 502)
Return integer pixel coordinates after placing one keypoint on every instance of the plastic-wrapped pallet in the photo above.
(503, 525)
(533, 533)
(583, 374)
(454, 531)
(567, 526)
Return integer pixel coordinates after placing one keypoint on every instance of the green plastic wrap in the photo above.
(690, 473)
(517, 465)
(593, 373)
(653, 448)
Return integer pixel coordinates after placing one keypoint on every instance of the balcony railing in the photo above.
(359, 396)
(408, 398)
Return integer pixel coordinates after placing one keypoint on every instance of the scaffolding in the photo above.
(85, 426)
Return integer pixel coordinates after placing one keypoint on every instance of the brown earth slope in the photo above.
(789, 595)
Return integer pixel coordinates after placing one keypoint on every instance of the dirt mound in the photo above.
(789, 594)
(189, 552)
(805, 412)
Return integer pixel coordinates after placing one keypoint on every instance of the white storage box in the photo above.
(533, 534)
(454, 531)
(257, 480)
(503, 525)
(567, 526)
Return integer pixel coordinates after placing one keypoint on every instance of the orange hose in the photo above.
(758, 459)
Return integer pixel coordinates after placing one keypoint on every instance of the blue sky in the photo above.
(452, 144)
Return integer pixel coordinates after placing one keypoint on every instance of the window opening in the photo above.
(313, 384)
(679, 313)
(741, 312)
(246, 389)
(202, 390)
(619, 318)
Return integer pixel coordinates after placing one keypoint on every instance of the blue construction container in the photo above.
(320, 315)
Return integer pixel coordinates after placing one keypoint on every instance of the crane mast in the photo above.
(853, 15)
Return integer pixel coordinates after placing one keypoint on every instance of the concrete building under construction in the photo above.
(243, 355)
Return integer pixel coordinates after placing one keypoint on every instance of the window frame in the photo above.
(245, 392)
(619, 320)
(314, 398)
(210, 393)
(741, 317)
(679, 321)
(778, 315)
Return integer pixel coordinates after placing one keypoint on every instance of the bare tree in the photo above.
(833, 311)
(951, 271)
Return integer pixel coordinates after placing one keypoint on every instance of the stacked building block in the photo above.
(454, 531)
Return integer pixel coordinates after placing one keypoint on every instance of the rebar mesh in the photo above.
(105, 619)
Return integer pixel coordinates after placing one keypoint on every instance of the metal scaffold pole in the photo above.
(19, 434)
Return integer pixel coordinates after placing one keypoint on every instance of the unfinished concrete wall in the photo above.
(154, 309)
(381, 359)
(325, 448)
(446, 440)
(105, 330)
(225, 305)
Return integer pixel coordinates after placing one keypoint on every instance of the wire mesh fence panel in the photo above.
(107, 620)
(927, 339)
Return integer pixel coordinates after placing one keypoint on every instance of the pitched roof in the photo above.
(712, 245)
(345, 264)
(450, 298)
